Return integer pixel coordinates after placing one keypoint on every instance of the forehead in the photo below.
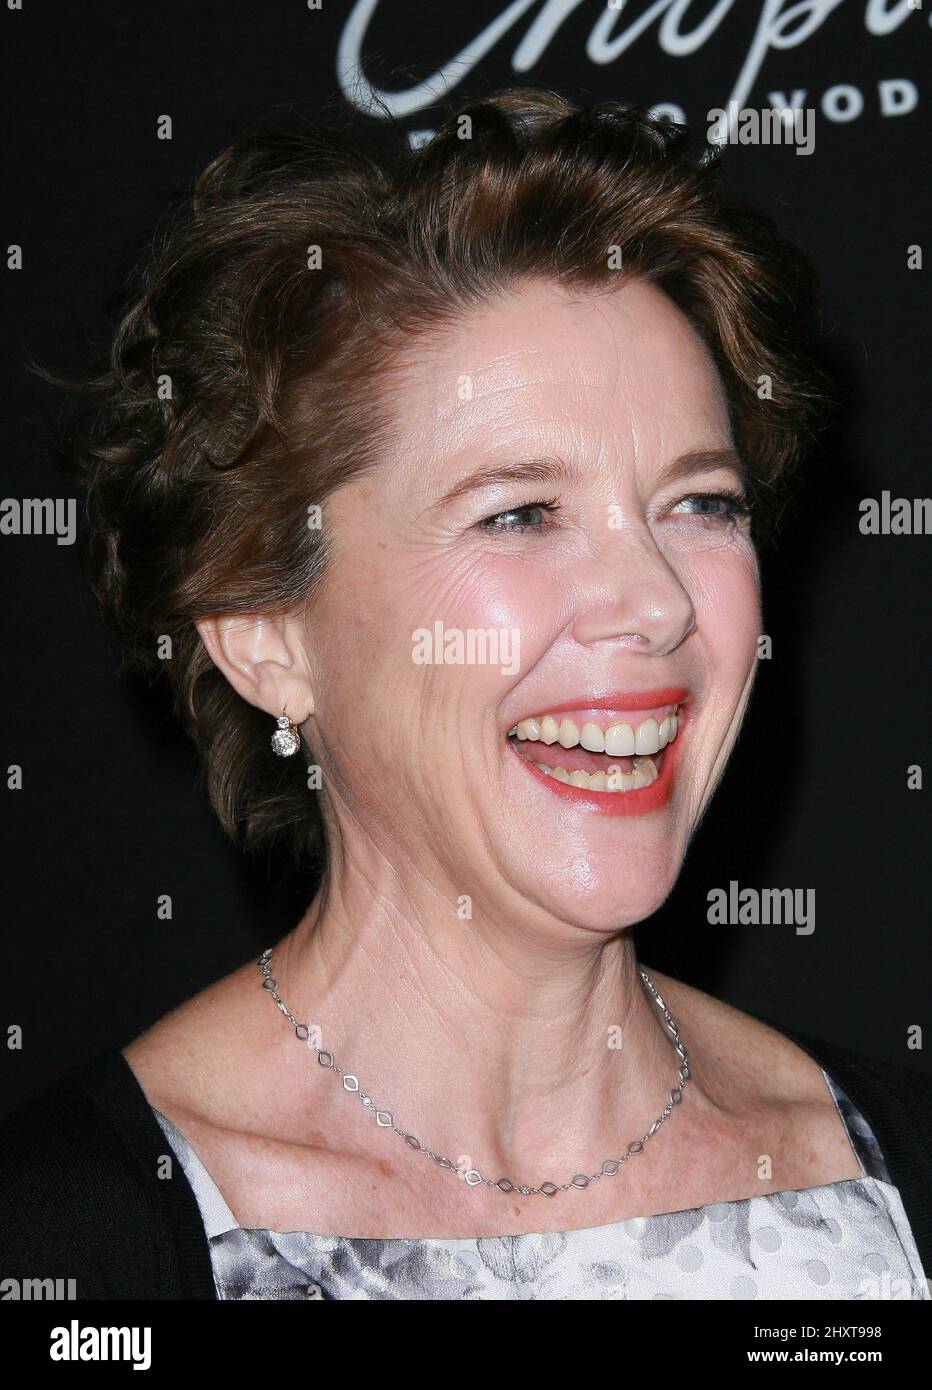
(543, 355)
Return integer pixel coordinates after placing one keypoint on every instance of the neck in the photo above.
(533, 1044)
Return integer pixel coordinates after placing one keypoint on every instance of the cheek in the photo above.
(725, 588)
(365, 624)
(467, 592)
(512, 593)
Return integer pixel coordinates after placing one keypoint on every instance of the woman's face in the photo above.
(604, 589)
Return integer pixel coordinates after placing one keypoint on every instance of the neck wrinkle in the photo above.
(555, 1058)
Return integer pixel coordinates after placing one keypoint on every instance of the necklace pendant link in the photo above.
(472, 1176)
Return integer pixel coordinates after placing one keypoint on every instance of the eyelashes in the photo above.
(727, 506)
(734, 504)
(494, 523)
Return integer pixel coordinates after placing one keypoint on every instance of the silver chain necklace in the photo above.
(472, 1176)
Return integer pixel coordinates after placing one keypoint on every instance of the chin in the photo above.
(603, 890)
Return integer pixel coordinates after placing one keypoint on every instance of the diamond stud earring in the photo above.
(286, 740)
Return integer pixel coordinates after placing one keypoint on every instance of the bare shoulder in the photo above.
(737, 1044)
(752, 1071)
(197, 1061)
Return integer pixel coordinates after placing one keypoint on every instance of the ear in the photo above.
(264, 659)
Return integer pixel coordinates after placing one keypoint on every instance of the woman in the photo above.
(438, 470)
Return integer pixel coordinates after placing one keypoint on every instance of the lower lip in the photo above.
(639, 802)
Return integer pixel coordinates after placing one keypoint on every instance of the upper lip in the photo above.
(618, 700)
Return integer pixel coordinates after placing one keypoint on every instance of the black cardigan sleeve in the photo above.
(81, 1197)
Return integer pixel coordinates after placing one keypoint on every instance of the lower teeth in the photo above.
(614, 780)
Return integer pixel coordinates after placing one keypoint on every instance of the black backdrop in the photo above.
(107, 818)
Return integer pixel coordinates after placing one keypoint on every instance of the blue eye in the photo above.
(716, 506)
(500, 522)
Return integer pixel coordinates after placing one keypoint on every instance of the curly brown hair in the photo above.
(250, 371)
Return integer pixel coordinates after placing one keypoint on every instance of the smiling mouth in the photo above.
(596, 752)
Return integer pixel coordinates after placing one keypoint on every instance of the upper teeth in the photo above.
(618, 740)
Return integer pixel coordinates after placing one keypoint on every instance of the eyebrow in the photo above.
(703, 461)
(550, 471)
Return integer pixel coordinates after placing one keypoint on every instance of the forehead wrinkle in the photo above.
(516, 372)
(612, 338)
(457, 346)
(518, 405)
(448, 405)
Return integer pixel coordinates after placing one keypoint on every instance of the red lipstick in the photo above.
(642, 800)
(621, 700)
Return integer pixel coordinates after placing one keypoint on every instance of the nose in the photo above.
(634, 599)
